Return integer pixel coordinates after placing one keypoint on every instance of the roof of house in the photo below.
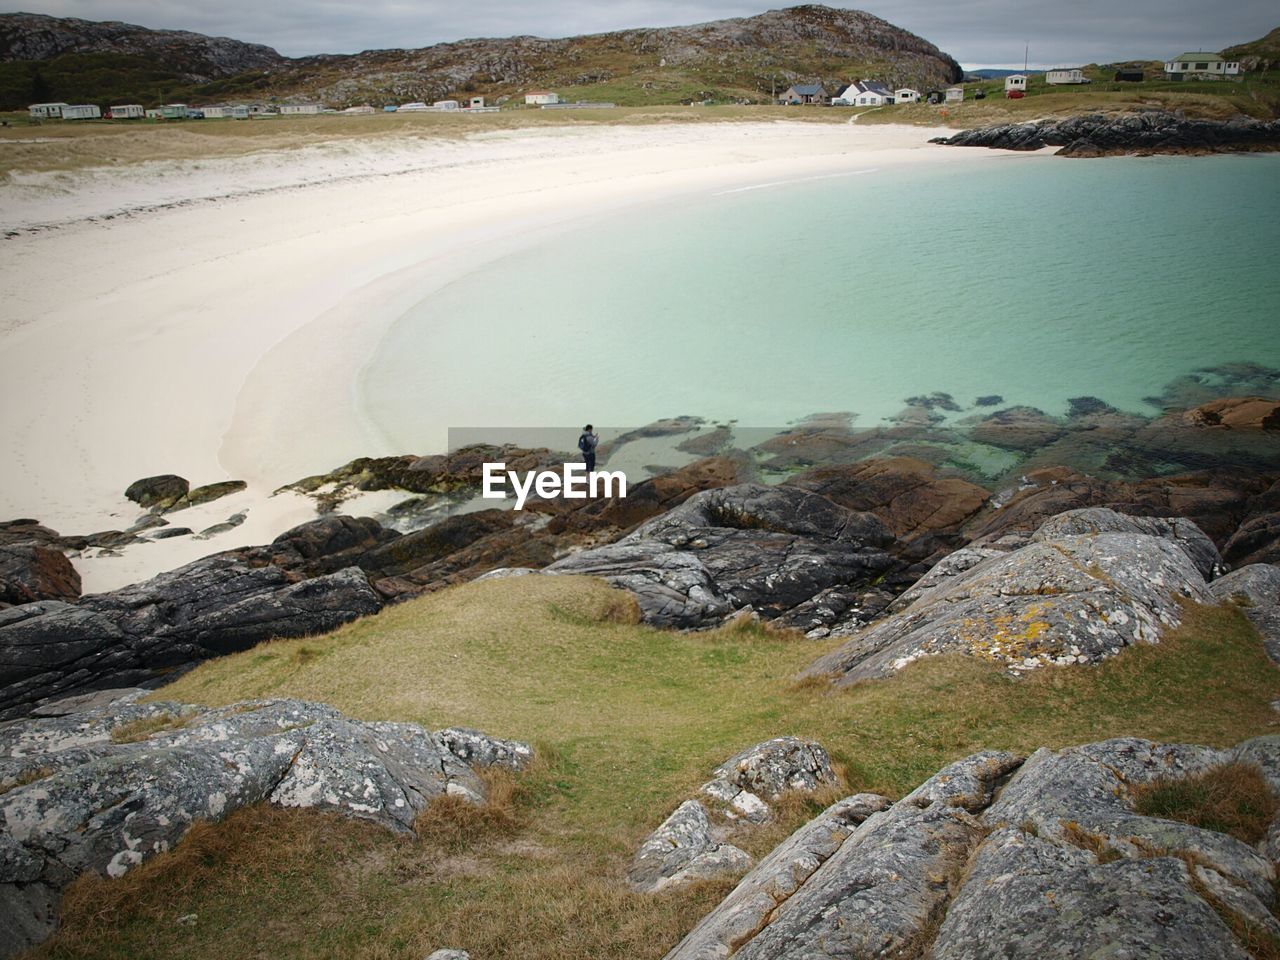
(907, 90)
(1198, 55)
(808, 89)
(1064, 69)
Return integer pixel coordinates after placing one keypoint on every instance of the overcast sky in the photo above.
(976, 32)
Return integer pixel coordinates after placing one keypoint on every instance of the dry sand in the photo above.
(210, 318)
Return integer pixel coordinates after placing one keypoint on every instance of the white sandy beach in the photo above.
(210, 319)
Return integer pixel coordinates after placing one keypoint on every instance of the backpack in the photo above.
(582, 443)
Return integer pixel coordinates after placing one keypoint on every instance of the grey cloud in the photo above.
(976, 31)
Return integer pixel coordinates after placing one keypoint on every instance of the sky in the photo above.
(978, 33)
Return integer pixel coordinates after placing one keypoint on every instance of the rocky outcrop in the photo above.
(1257, 589)
(107, 788)
(143, 633)
(794, 557)
(1088, 585)
(160, 492)
(29, 572)
(682, 850)
(1097, 135)
(745, 784)
(997, 857)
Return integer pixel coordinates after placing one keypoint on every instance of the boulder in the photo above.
(89, 796)
(214, 491)
(142, 633)
(1257, 539)
(768, 548)
(683, 850)
(994, 857)
(1063, 598)
(160, 492)
(1257, 589)
(1183, 533)
(29, 572)
(745, 783)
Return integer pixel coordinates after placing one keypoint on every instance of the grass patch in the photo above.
(629, 721)
(143, 729)
(1234, 798)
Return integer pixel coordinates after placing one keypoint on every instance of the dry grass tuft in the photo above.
(1095, 843)
(1234, 799)
(454, 823)
(139, 730)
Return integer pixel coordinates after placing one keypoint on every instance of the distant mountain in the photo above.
(744, 58)
(1261, 54)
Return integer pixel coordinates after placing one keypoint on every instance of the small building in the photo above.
(240, 111)
(935, 96)
(864, 93)
(46, 111)
(475, 103)
(173, 111)
(81, 111)
(1130, 75)
(1015, 83)
(906, 95)
(216, 113)
(361, 110)
(446, 105)
(1062, 75)
(417, 106)
(153, 113)
(299, 109)
(809, 93)
(1201, 64)
(389, 108)
(540, 97)
(128, 111)
(955, 94)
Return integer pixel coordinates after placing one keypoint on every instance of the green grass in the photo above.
(1234, 798)
(629, 721)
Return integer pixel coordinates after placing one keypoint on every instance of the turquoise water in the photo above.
(1035, 279)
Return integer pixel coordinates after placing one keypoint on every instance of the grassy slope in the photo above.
(629, 720)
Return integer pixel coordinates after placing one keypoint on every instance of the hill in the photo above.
(737, 59)
(1260, 54)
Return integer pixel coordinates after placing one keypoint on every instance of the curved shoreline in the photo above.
(226, 326)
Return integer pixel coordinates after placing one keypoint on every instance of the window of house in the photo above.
(1202, 66)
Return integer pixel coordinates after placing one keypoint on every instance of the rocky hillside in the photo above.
(34, 37)
(1260, 54)
(738, 59)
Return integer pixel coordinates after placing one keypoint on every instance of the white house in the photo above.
(446, 105)
(362, 109)
(173, 111)
(1015, 82)
(81, 111)
(128, 111)
(296, 109)
(864, 93)
(906, 95)
(1201, 64)
(46, 111)
(955, 94)
(239, 112)
(539, 97)
(215, 113)
(417, 106)
(475, 103)
(1061, 75)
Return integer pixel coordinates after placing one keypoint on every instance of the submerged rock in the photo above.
(105, 789)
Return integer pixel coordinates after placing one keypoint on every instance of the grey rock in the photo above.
(159, 492)
(1186, 535)
(141, 633)
(449, 955)
(683, 849)
(745, 783)
(89, 803)
(1257, 589)
(478, 749)
(969, 783)
(747, 909)
(772, 549)
(168, 533)
(1072, 599)
(227, 525)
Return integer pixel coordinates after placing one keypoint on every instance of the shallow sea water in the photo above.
(1037, 280)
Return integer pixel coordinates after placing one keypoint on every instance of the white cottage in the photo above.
(81, 111)
(1015, 83)
(1201, 64)
(864, 93)
(539, 97)
(46, 111)
(297, 109)
(128, 111)
(955, 94)
(906, 95)
(1061, 75)
(215, 113)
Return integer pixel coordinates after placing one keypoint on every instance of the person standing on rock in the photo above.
(587, 444)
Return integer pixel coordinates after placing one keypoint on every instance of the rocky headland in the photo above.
(1104, 135)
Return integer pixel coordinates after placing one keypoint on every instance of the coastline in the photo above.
(245, 319)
